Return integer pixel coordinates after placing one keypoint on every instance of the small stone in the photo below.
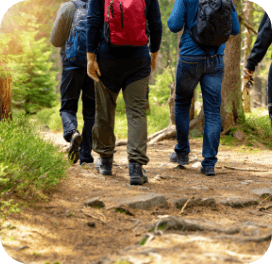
(144, 188)
(91, 224)
(238, 202)
(239, 135)
(95, 202)
(194, 202)
(262, 191)
(165, 177)
(145, 201)
(157, 178)
(196, 165)
(22, 247)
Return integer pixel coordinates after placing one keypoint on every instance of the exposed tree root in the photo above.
(178, 223)
(266, 237)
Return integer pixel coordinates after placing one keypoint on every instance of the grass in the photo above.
(256, 127)
(28, 165)
(157, 118)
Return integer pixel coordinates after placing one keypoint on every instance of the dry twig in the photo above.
(184, 206)
(242, 169)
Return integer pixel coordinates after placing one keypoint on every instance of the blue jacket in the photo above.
(96, 42)
(184, 11)
(262, 43)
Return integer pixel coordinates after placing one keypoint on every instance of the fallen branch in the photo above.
(241, 169)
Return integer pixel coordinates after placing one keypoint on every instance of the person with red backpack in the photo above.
(207, 26)
(69, 33)
(119, 57)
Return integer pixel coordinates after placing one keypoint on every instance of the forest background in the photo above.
(33, 67)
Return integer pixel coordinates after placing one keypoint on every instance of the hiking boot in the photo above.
(73, 153)
(137, 176)
(208, 171)
(104, 166)
(181, 159)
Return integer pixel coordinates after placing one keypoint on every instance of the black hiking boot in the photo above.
(209, 171)
(137, 176)
(104, 166)
(181, 159)
(73, 153)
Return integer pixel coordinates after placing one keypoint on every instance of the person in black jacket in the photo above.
(74, 80)
(262, 43)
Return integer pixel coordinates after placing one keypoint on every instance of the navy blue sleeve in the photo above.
(95, 22)
(177, 18)
(153, 17)
(262, 43)
(235, 21)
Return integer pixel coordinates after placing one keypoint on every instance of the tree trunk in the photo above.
(247, 41)
(231, 107)
(5, 98)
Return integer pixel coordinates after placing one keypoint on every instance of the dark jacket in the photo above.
(96, 42)
(262, 43)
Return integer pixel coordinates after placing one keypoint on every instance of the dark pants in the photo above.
(190, 71)
(132, 75)
(73, 82)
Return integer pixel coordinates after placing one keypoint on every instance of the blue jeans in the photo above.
(190, 71)
(72, 83)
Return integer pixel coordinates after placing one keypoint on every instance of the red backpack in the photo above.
(125, 22)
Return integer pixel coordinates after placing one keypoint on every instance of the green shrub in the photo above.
(27, 163)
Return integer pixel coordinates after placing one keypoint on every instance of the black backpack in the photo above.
(213, 23)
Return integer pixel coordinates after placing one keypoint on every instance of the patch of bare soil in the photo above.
(224, 219)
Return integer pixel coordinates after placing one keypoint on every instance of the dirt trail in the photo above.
(227, 219)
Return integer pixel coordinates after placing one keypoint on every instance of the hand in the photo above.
(153, 61)
(92, 67)
(247, 74)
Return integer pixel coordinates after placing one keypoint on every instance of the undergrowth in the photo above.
(157, 118)
(28, 164)
(256, 127)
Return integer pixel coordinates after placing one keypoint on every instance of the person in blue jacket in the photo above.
(261, 45)
(194, 66)
(127, 68)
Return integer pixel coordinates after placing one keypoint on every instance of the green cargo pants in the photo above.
(103, 131)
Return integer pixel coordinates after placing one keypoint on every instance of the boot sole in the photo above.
(138, 180)
(73, 153)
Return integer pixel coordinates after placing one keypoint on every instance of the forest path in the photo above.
(227, 219)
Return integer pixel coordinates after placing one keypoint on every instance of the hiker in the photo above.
(200, 61)
(122, 63)
(261, 45)
(71, 20)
